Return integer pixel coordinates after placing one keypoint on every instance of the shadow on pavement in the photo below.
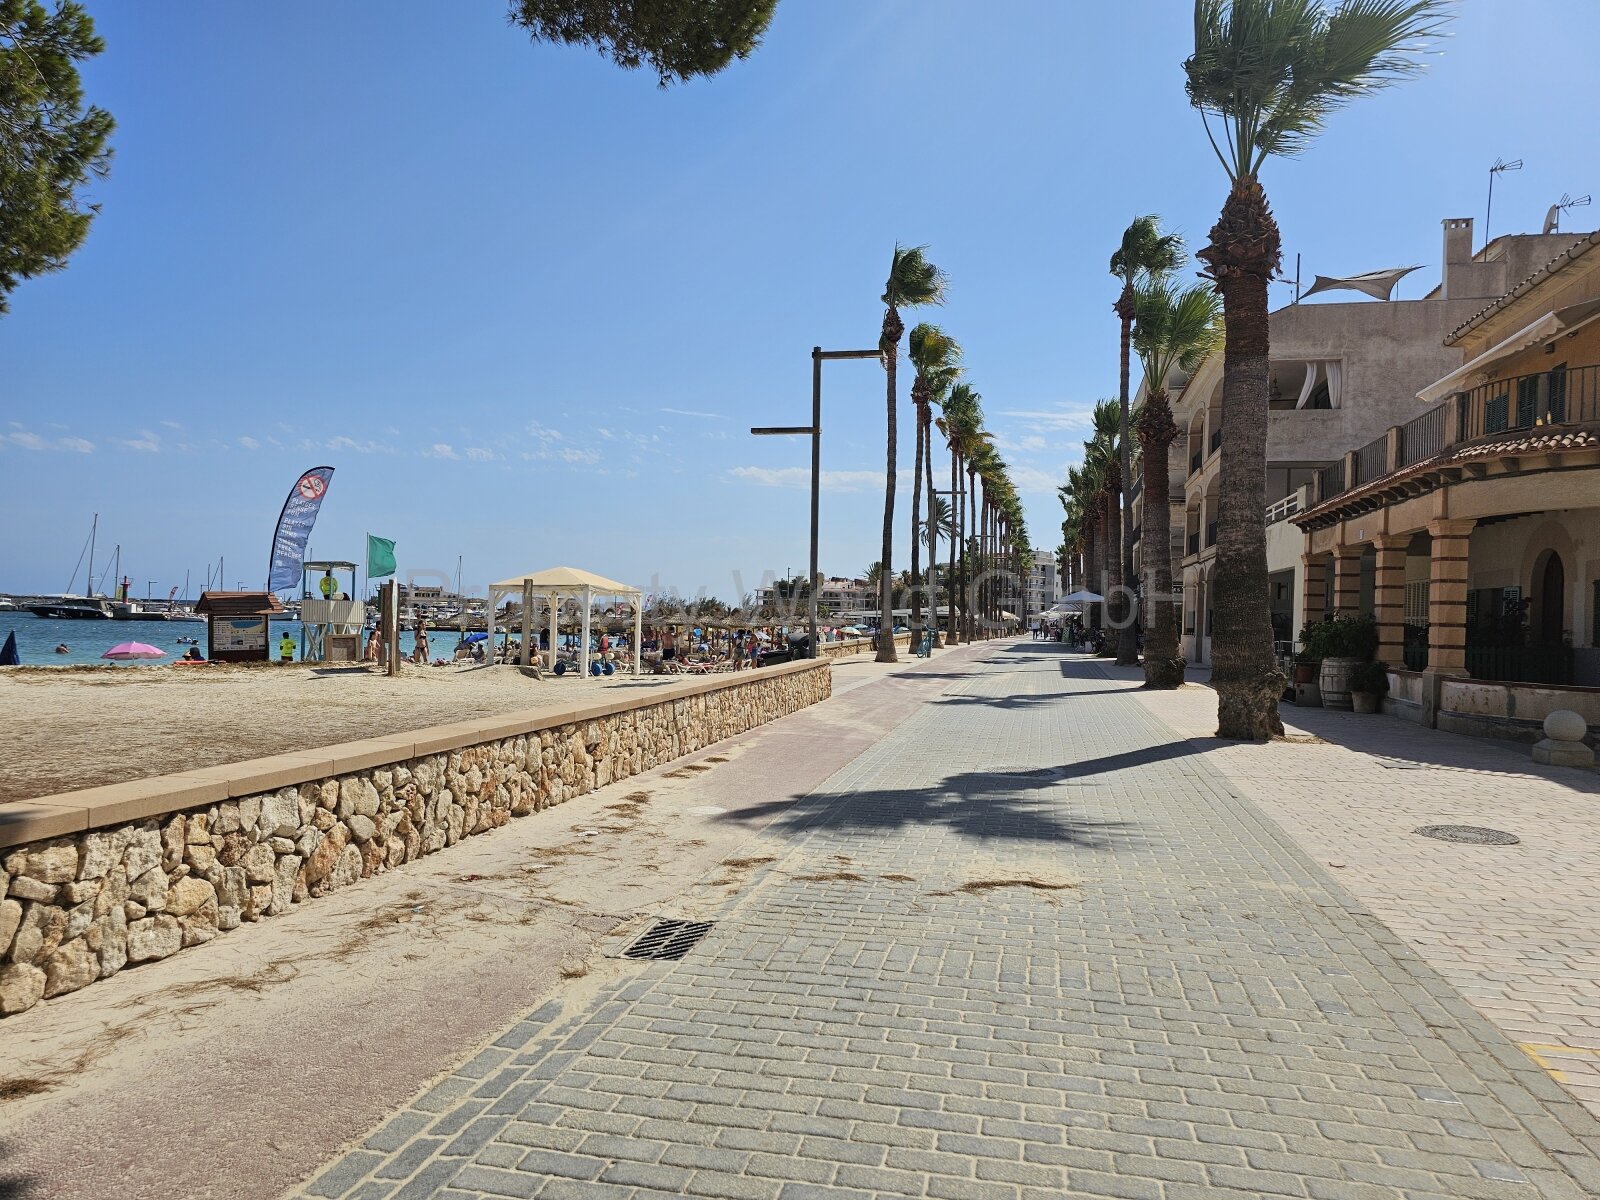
(984, 805)
(16, 1187)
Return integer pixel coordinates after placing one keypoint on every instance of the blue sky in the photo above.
(528, 305)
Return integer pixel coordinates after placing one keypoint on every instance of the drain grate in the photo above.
(1471, 835)
(668, 940)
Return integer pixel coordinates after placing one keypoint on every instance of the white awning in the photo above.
(1552, 324)
(566, 581)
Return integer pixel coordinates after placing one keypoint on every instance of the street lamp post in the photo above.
(818, 354)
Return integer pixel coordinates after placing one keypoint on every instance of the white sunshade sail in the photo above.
(1082, 596)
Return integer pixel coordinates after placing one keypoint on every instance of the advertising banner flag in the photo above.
(294, 529)
(380, 557)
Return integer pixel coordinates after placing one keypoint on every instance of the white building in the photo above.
(1043, 585)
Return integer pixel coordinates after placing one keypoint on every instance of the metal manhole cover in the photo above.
(1472, 835)
(668, 940)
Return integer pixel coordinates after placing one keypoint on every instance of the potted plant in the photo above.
(1341, 643)
(1369, 683)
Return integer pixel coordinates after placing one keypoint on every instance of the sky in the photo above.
(528, 304)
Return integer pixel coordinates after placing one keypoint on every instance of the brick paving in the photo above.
(910, 1002)
(1515, 928)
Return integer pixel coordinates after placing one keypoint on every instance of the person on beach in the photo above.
(374, 647)
(286, 649)
(193, 655)
(327, 585)
(62, 649)
(420, 653)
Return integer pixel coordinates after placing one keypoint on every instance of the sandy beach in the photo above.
(79, 727)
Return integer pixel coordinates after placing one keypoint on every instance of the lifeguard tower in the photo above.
(330, 620)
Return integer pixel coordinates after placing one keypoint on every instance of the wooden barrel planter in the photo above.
(1335, 682)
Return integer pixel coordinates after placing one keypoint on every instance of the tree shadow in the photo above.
(1001, 805)
(16, 1187)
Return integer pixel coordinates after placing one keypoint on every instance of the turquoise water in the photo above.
(86, 641)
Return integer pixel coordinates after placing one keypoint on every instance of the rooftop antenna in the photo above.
(1552, 219)
(1500, 165)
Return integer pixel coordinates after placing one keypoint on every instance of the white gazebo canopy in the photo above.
(564, 583)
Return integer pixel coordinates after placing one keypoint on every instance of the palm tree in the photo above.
(1271, 72)
(1177, 330)
(962, 426)
(1145, 253)
(936, 357)
(913, 281)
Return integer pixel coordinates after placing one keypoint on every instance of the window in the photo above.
(1496, 414)
(1319, 398)
(1557, 407)
(1527, 400)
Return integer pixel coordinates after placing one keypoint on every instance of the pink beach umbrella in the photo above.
(128, 651)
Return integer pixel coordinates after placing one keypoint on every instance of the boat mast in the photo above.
(93, 526)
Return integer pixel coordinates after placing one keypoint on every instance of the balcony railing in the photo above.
(1216, 440)
(1523, 404)
(1211, 533)
(1422, 437)
(1560, 396)
(1194, 543)
(1195, 460)
(1283, 509)
(1372, 460)
(1330, 480)
(1521, 664)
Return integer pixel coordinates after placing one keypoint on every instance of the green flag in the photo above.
(380, 557)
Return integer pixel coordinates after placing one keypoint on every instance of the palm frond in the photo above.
(1272, 71)
(1176, 328)
(913, 280)
(1146, 251)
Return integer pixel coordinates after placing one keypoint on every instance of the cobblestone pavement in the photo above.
(1031, 944)
(1515, 928)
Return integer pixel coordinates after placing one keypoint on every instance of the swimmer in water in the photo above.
(62, 649)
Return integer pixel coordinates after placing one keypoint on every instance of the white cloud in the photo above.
(1028, 442)
(800, 477)
(30, 441)
(480, 454)
(689, 412)
(1034, 479)
(146, 442)
(249, 443)
(543, 433)
(173, 425)
(347, 443)
(1058, 418)
(441, 450)
(78, 444)
(573, 455)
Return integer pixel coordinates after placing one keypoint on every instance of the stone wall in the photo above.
(854, 646)
(118, 892)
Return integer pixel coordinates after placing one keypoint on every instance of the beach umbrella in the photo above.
(8, 653)
(476, 637)
(128, 651)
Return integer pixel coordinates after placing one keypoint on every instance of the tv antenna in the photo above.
(1552, 219)
(1500, 165)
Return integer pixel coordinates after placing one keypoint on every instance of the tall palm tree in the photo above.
(913, 281)
(936, 357)
(962, 426)
(1271, 72)
(1145, 253)
(1177, 330)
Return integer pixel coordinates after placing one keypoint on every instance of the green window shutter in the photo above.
(1496, 414)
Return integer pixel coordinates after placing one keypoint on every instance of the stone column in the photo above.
(1389, 597)
(1347, 580)
(1314, 600)
(1447, 597)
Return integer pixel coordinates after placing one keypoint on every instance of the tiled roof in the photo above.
(1570, 255)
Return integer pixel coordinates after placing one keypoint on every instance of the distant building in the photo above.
(1043, 587)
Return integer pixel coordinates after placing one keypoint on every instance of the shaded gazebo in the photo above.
(554, 586)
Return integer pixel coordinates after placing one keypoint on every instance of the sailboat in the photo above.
(69, 607)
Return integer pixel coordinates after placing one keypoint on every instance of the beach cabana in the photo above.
(556, 585)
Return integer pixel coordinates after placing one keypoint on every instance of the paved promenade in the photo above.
(1032, 943)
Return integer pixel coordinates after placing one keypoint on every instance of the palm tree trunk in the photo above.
(892, 328)
(933, 528)
(1128, 643)
(1243, 253)
(1108, 649)
(1163, 664)
(916, 532)
(969, 552)
(953, 636)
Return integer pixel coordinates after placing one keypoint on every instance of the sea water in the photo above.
(86, 641)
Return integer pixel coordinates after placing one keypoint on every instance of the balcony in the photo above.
(1513, 408)
(1216, 440)
(1195, 460)
(1193, 544)
(1211, 533)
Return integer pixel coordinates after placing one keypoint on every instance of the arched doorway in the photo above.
(1551, 582)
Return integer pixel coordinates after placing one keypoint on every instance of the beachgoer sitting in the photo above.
(193, 655)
